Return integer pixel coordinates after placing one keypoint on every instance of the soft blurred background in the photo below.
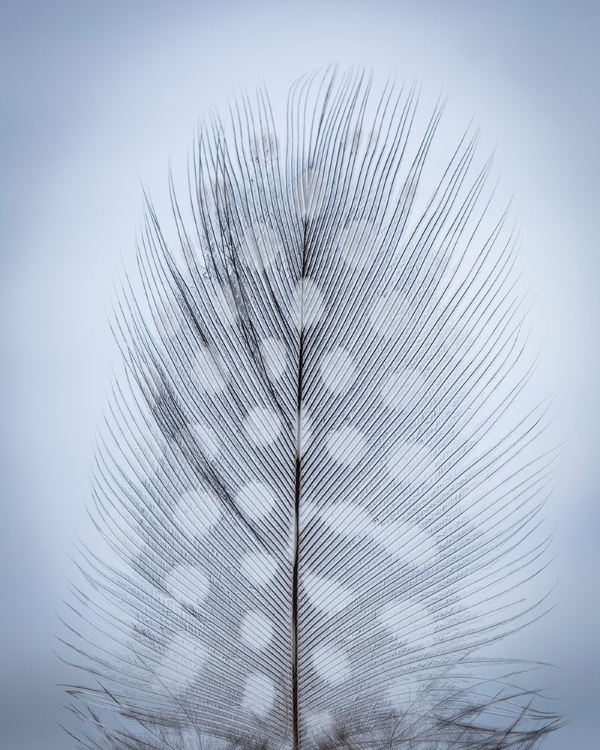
(97, 97)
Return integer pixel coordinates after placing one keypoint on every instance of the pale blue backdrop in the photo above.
(98, 96)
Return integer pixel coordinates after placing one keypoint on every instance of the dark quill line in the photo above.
(296, 533)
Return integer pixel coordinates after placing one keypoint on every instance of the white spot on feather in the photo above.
(259, 695)
(224, 305)
(275, 356)
(407, 542)
(256, 631)
(338, 370)
(353, 139)
(331, 664)
(346, 445)
(326, 594)
(210, 370)
(263, 146)
(256, 500)
(259, 569)
(261, 246)
(263, 426)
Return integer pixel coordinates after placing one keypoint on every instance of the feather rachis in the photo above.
(321, 514)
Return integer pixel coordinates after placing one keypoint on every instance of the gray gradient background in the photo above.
(96, 95)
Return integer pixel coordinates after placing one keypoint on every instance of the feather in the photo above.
(319, 504)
